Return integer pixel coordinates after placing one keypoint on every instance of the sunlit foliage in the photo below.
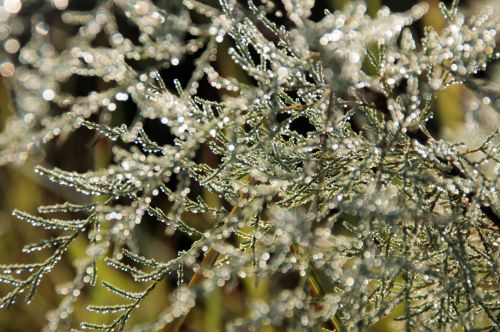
(326, 170)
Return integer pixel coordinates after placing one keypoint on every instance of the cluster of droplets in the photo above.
(44, 64)
(351, 31)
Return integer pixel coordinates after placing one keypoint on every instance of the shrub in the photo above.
(308, 161)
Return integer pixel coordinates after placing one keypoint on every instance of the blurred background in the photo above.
(21, 188)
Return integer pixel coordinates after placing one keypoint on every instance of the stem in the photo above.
(208, 261)
(318, 290)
